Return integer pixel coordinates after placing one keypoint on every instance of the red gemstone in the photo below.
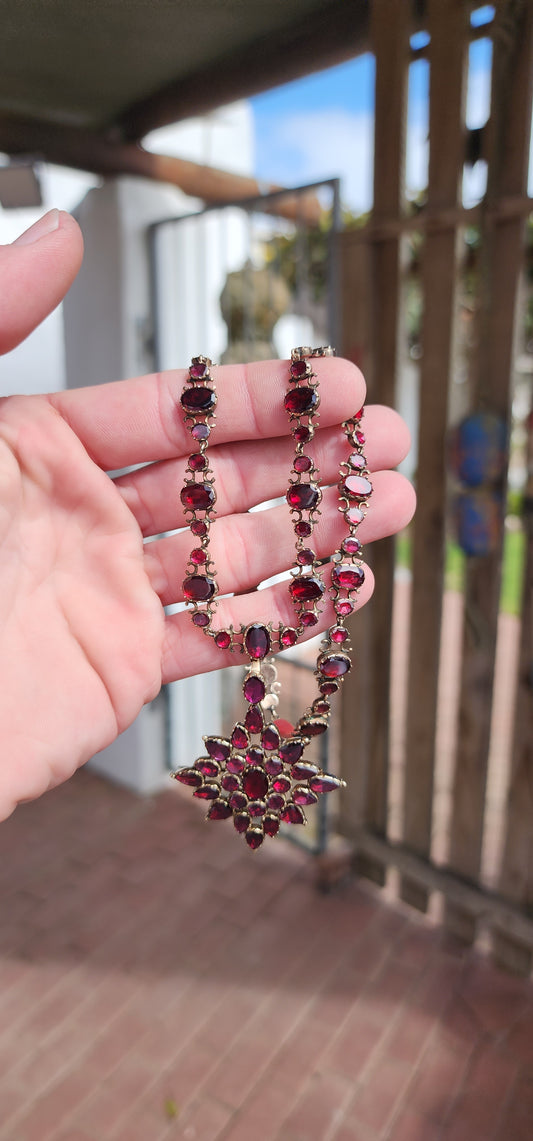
(191, 777)
(299, 368)
(257, 808)
(359, 413)
(352, 546)
(198, 370)
(271, 825)
(302, 434)
(305, 556)
(255, 756)
(334, 665)
(254, 838)
(344, 608)
(198, 496)
(288, 637)
(223, 639)
(208, 768)
(270, 738)
(197, 462)
(207, 792)
(349, 577)
(301, 401)
(199, 399)
(303, 528)
(291, 751)
(309, 619)
(200, 431)
(303, 795)
(198, 588)
(217, 748)
(357, 461)
(354, 515)
(219, 810)
(239, 737)
(303, 496)
(313, 726)
(321, 707)
(198, 556)
(306, 588)
(255, 784)
(303, 770)
(325, 783)
(238, 801)
(200, 618)
(199, 528)
(273, 766)
(230, 783)
(357, 487)
(292, 814)
(302, 463)
(275, 802)
(338, 634)
(254, 689)
(360, 437)
(254, 721)
(235, 765)
(241, 821)
(281, 784)
(328, 687)
(257, 641)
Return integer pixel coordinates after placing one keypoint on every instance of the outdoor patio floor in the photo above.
(158, 980)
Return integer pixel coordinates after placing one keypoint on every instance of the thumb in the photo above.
(36, 271)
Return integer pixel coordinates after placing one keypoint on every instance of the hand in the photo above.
(84, 639)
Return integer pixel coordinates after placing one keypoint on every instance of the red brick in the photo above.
(319, 1109)
(437, 1082)
(496, 999)
(204, 1119)
(376, 1102)
(412, 1126)
(356, 1045)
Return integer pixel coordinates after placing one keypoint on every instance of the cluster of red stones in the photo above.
(256, 776)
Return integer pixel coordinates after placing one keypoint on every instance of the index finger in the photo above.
(141, 420)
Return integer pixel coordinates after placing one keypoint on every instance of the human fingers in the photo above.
(36, 271)
(187, 653)
(141, 420)
(249, 472)
(248, 548)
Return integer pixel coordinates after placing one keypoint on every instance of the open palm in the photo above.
(86, 562)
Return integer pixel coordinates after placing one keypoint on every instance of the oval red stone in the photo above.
(200, 431)
(199, 399)
(198, 556)
(256, 808)
(257, 641)
(301, 401)
(358, 487)
(254, 689)
(309, 619)
(198, 369)
(299, 368)
(238, 801)
(275, 802)
(338, 634)
(352, 546)
(348, 577)
(198, 588)
(230, 783)
(305, 557)
(334, 665)
(354, 515)
(235, 765)
(207, 767)
(303, 528)
(313, 726)
(303, 496)
(302, 434)
(302, 463)
(328, 687)
(255, 784)
(357, 461)
(198, 496)
(223, 639)
(288, 637)
(199, 527)
(344, 608)
(281, 784)
(306, 588)
(200, 618)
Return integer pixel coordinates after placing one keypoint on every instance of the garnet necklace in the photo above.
(257, 775)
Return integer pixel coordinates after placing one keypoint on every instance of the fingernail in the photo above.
(45, 225)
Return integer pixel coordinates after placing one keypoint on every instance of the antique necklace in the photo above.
(257, 775)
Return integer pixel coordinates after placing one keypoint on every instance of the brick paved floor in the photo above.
(159, 981)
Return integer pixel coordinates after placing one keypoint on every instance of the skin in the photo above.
(84, 637)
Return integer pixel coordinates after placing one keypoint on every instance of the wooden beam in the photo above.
(336, 32)
(86, 150)
(448, 28)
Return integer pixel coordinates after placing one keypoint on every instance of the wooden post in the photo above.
(502, 246)
(390, 27)
(448, 28)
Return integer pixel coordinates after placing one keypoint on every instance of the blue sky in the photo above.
(321, 126)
